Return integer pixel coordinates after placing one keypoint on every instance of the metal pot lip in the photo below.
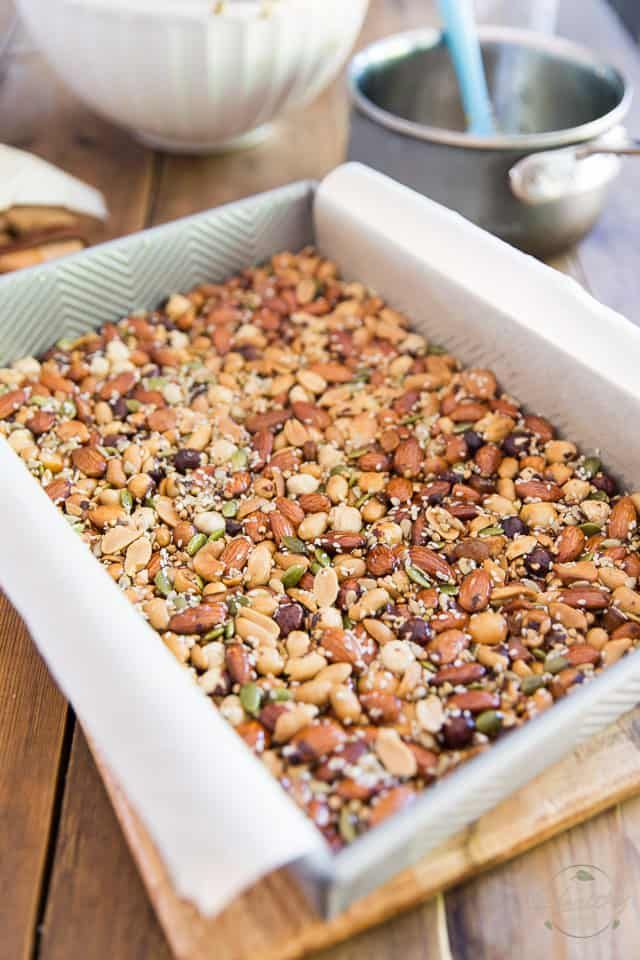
(425, 38)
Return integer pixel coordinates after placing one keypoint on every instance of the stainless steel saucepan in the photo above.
(541, 181)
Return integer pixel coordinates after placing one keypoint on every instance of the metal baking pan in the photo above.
(491, 305)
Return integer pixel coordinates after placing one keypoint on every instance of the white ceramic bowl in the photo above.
(184, 78)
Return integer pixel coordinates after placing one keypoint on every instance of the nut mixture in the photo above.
(372, 560)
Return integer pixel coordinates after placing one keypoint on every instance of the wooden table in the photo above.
(69, 888)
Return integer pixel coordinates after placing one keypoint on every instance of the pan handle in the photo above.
(551, 175)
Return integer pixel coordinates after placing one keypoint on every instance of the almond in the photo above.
(623, 519)
(235, 554)
(400, 489)
(89, 461)
(475, 591)
(538, 490)
(198, 619)
(162, 420)
(310, 414)
(408, 457)
(431, 563)
(466, 673)
(570, 544)
(540, 427)
(314, 503)
(118, 386)
(271, 420)
(238, 663)
(475, 701)
(340, 542)
(10, 402)
(468, 410)
(374, 462)
(263, 446)
(280, 526)
(40, 422)
(58, 490)
(317, 740)
(381, 707)
(448, 646)
(585, 598)
(381, 560)
(341, 647)
(582, 653)
(488, 458)
(291, 510)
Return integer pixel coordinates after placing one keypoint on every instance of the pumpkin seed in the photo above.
(280, 694)
(294, 544)
(214, 634)
(251, 698)
(229, 509)
(196, 543)
(555, 663)
(346, 825)
(126, 500)
(489, 722)
(417, 576)
(491, 532)
(162, 582)
(591, 466)
(293, 575)
(531, 683)
(590, 529)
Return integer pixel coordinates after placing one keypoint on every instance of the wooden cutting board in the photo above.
(272, 920)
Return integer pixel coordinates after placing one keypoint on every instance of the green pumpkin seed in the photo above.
(463, 427)
(323, 558)
(68, 409)
(180, 603)
(531, 683)
(451, 589)
(126, 500)
(346, 826)
(37, 400)
(363, 375)
(598, 495)
(196, 543)
(162, 582)
(363, 499)
(251, 698)
(491, 532)
(133, 406)
(280, 694)
(347, 622)
(293, 575)
(591, 466)
(239, 459)
(156, 383)
(436, 350)
(539, 653)
(294, 544)
(590, 529)
(555, 663)
(340, 468)
(66, 343)
(216, 535)
(229, 509)
(409, 421)
(489, 722)
(417, 576)
(229, 630)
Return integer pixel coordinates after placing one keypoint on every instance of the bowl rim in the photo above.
(424, 39)
(240, 11)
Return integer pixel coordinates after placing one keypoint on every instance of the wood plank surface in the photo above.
(91, 863)
(38, 114)
(599, 773)
(32, 726)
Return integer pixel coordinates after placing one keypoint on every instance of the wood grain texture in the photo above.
(91, 862)
(32, 720)
(609, 254)
(602, 772)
